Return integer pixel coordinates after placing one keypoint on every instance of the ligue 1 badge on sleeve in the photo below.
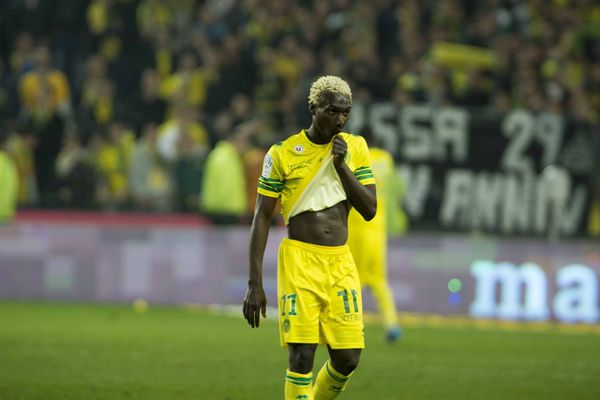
(267, 166)
(299, 148)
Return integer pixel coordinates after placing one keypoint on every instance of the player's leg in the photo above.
(299, 311)
(342, 329)
(377, 280)
(344, 361)
(301, 357)
(298, 378)
(335, 374)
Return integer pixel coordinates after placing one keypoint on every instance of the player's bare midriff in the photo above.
(328, 227)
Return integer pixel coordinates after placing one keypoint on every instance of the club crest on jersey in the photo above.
(299, 148)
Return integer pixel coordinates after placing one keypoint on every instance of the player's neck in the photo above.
(315, 136)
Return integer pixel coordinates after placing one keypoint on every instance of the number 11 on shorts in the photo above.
(344, 294)
(292, 298)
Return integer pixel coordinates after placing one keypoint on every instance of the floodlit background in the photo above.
(132, 134)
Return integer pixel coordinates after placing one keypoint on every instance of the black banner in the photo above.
(475, 170)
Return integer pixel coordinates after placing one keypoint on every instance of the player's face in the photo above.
(332, 114)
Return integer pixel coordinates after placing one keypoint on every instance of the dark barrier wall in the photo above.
(514, 173)
(523, 279)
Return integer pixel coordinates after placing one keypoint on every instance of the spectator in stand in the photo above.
(153, 16)
(253, 158)
(184, 119)
(22, 59)
(224, 185)
(239, 111)
(46, 125)
(149, 178)
(9, 183)
(97, 97)
(163, 53)
(111, 153)
(8, 99)
(149, 106)
(188, 173)
(76, 175)
(236, 72)
(533, 54)
(20, 146)
(188, 84)
(44, 86)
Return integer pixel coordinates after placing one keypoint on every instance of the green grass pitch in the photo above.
(88, 351)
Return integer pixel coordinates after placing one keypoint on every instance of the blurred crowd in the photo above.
(170, 105)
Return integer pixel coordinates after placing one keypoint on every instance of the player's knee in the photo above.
(301, 358)
(346, 361)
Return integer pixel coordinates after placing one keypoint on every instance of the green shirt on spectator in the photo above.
(8, 187)
(224, 185)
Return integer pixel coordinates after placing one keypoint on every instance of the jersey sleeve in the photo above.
(270, 181)
(363, 171)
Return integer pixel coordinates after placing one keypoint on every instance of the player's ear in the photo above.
(311, 108)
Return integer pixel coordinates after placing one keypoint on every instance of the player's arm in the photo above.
(362, 197)
(255, 301)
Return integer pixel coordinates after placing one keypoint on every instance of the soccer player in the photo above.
(319, 174)
(368, 239)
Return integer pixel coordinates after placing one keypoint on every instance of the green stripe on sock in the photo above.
(298, 379)
(298, 383)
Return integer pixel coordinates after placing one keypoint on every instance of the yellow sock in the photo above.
(298, 386)
(329, 383)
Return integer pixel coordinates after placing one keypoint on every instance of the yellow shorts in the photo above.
(319, 297)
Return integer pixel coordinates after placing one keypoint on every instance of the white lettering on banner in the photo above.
(578, 296)
(457, 198)
(507, 203)
(549, 133)
(518, 127)
(488, 200)
(529, 279)
(574, 211)
(524, 129)
(451, 128)
(505, 291)
(418, 178)
(418, 141)
(467, 198)
(517, 203)
(428, 133)
(504, 192)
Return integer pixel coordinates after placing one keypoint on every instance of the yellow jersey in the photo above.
(301, 173)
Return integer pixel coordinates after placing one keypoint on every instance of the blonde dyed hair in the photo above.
(328, 84)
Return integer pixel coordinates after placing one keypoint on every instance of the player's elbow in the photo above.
(369, 213)
(369, 216)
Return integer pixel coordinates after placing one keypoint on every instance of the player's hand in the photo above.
(339, 149)
(255, 303)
